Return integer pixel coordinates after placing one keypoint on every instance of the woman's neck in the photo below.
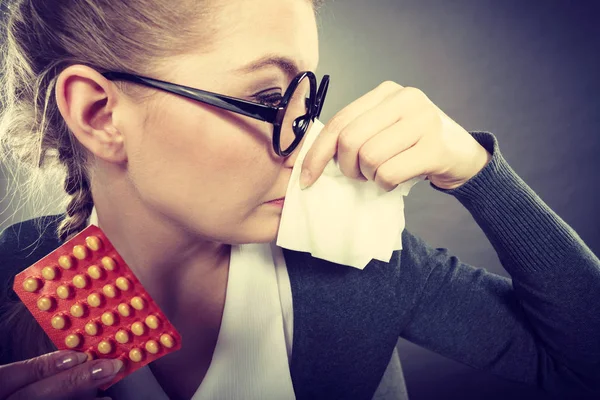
(176, 268)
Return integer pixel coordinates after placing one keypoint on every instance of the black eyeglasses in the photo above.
(299, 106)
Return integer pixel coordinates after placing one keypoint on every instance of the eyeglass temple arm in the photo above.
(243, 107)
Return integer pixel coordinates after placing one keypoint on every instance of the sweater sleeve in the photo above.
(540, 327)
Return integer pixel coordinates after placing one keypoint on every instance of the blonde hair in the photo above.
(41, 38)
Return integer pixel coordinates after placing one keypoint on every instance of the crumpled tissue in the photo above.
(340, 219)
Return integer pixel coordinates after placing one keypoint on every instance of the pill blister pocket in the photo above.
(86, 298)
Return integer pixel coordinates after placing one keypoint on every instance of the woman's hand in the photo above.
(58, 375)
(393, 134)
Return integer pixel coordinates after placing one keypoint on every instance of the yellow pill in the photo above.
(137, 328)
(63, 292)
(137, 303)
(58, 322)
(80, 281)
(152, 322)
(104, 347)
(109, 263)
(124, 309)
(44, 303)
(94, 300)
(122, 336)
(108, 318)
(31, 285)
(91, 328)
(65, 262)
(49, 273)
(167, 340)
(93, 242)
(109, 291)
(77, 310)
(90, 355)
(152, 346)
(94, 272)
(72, 341)
(135, 355)
(80, 252)
(122, 283)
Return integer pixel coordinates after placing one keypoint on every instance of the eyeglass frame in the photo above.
(262, 112)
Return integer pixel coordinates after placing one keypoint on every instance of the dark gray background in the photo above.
(528, 71)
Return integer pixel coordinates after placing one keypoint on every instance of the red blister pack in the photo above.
(87, 299)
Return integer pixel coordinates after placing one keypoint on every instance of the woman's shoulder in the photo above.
(23, 244)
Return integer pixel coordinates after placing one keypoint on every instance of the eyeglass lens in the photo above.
(293, 125)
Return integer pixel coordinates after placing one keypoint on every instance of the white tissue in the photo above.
(340, 219)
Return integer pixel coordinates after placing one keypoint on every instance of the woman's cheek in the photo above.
(202, 159)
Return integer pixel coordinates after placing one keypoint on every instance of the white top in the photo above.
(254, 347)
(251, 359)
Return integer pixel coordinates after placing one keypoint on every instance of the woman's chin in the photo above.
(263, 231)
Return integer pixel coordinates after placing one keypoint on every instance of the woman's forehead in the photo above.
(259, 34)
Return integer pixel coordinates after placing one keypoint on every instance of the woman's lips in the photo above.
(277, 202)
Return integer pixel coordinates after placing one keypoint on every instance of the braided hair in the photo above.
(80, 205)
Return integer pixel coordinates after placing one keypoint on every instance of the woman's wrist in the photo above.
(480, 161)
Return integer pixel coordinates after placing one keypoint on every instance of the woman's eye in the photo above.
(272, 100)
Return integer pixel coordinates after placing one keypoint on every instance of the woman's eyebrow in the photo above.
(285, 64)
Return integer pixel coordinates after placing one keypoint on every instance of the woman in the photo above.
(178, 179)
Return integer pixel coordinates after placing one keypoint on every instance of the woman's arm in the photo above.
(543, 327)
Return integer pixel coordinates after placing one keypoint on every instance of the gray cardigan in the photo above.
(540, 328)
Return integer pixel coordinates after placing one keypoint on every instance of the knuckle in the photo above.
(389, 85)
(336, 124)
(39, 367)
(436, 119)
(412, 91)
(416, 94)
(74, 379)
(430, 120)
(384, 178)
(347, 142)
(368, 158)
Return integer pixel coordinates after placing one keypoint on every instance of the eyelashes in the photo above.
(271, 99)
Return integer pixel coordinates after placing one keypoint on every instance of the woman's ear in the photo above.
(86, 101)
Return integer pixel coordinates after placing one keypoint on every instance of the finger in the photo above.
(395, 107)
(81, 382)
(402, 167)
(19, 374)
(392, 141)
(325, 145)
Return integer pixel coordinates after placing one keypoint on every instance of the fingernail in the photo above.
(304, 179)
(70, 360)
(106, 368)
